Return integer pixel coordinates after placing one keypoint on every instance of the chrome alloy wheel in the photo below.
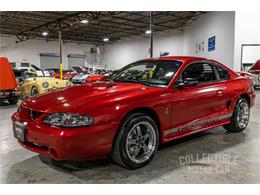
(141, 142)
(243, 114)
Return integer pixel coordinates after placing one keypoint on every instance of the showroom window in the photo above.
(222, 73)
(202, 72)
(25, 64)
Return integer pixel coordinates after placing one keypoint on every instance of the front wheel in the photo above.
(240, 117)
(136, 142)
(13, 100)
(34, 91)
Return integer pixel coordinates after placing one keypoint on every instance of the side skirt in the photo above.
(187, 132)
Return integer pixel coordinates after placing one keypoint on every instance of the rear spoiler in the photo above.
(244, 74)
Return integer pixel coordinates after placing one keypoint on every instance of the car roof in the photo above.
(178, 58)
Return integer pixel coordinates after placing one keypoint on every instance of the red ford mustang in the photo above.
(126, 117)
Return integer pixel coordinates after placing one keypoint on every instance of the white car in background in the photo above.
(27, 69)
(82, 75)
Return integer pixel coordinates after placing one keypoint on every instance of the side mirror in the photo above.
(187, 82)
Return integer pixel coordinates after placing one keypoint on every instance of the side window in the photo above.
(202, 72)
(222, 73)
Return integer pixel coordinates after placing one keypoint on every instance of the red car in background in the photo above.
(94, 78)
(255, 73)
(8, 85)
(146, 103)
(67, 75)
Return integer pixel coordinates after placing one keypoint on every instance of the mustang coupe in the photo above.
(126, 117)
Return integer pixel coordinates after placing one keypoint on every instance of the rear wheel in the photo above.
(136, 142)
(240, 117)
(34, 91)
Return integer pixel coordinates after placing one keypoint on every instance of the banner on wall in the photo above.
(200, 47)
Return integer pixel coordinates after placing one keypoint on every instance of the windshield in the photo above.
(156, 73)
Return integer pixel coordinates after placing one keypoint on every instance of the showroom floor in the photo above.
(213, 156)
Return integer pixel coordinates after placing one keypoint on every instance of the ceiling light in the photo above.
(106, 39)
(148, 32)
(84, 21)
(45, 33)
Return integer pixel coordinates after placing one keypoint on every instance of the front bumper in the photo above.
(9, 94)
(88, 143)
(256, 80)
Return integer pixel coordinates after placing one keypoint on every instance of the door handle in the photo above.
(219, 93)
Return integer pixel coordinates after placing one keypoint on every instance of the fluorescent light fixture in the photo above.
(44, 33)
(148, 32)
(84, 21)
(106, 39)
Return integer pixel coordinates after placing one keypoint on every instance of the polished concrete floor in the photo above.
(214, 156)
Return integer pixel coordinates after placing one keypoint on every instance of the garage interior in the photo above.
(115, 39)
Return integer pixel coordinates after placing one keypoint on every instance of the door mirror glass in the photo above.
(187, 82)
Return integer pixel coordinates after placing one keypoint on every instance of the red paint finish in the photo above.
(109, 102)
(7, 77)
(96, 78)
(65, 76)
(255, 69)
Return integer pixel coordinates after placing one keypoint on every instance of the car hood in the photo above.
(84, 97)
(255, 66)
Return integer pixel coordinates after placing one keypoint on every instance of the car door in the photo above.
(193, 104)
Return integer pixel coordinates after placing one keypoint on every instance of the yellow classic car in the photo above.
(41, 84)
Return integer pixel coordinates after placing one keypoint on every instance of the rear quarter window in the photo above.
(222, 73)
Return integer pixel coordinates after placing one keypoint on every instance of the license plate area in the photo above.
(19, 130)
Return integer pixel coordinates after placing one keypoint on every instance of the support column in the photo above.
(151, 35)
(60, 42)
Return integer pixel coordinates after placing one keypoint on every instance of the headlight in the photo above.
(68, 120)
(45, 84)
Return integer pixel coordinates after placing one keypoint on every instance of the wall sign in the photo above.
(212, 43)
(165, 53)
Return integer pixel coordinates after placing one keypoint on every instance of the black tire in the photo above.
(13, 100)
(119, 152)
(34, 91)
(234, 126)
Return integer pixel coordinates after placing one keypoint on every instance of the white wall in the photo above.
(220, 24)
(125, 52)
(247, 31)
(29, 51)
